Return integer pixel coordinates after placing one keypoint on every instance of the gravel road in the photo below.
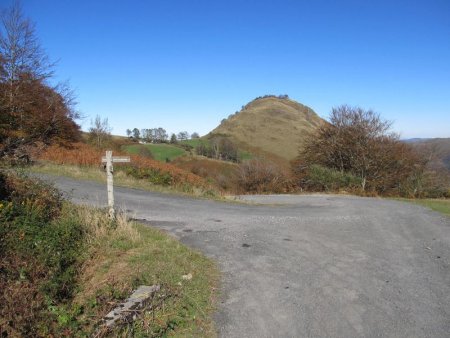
(309, 266)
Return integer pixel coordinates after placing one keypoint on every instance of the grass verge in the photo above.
(120, 179)
(141, 255)
(64, 267)
(440, 205)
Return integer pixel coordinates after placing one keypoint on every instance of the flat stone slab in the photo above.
(128, 309)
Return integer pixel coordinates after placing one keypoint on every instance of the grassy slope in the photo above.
(64, 267)
(152, 257)
(194, 142)
(442, 206)
(272, 125)
(160, 152)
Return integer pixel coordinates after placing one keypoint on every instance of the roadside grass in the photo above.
(135, 255)
(440, 205)
(120, 179)
(64, 267)
(160, 152)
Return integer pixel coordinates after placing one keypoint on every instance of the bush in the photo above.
(40, 254)
(320, 178)
(260, 176)
(185, 146)
(360, 142)
(153, 175)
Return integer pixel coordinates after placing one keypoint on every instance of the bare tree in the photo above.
(161, 135)
(100, 131)
(183, 135)
(359, 142)
(21, 54)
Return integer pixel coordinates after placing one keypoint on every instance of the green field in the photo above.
(160, 152)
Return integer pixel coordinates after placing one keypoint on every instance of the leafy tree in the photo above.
(136, 134)
(32, 110)
(129, 132)
(173, 138)
(195, 135)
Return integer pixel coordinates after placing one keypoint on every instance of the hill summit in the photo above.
(270, 124)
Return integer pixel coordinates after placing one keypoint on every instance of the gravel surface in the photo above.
(309, 265)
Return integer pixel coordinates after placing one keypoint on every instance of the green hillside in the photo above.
(160, 152)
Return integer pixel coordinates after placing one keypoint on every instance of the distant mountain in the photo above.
(273, 125)
(437, 148)
(415, 140)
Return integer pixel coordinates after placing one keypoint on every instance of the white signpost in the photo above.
(109, 160)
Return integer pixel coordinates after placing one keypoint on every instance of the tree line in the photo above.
(159, 135)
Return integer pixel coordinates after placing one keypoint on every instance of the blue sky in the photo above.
(186, 65)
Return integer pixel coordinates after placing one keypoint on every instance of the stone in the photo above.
(128, 310)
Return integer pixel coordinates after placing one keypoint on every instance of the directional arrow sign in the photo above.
(117, 159)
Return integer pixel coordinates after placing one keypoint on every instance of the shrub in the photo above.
(260, 176)
(152, 175)
(40, 252)
(185, 146)
(43, 245)
(319, 178)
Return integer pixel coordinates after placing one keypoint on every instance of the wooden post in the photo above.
(110, 183)
(109, 160)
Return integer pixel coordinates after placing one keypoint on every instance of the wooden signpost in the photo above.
(109, 160)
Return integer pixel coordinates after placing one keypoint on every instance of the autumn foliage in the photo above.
(31, 109)
(357, 146)
(144, 168)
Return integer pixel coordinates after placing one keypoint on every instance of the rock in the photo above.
(128, 310)
(187, 277)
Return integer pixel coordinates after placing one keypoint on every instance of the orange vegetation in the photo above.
(85, 155)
